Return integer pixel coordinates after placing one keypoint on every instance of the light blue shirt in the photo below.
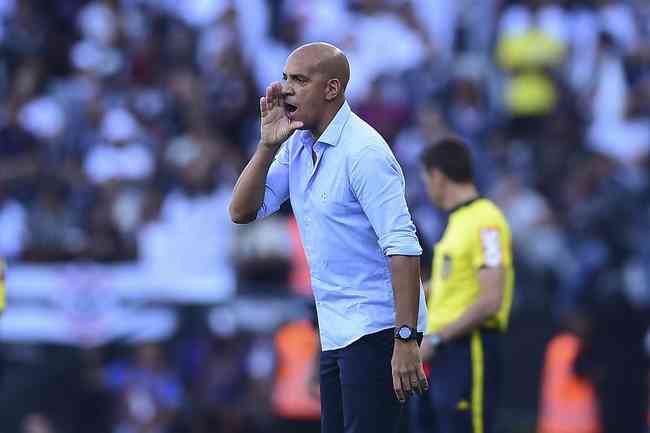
(351, 210)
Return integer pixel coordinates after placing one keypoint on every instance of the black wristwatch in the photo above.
(405, 333)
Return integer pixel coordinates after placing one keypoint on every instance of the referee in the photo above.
(470, 298)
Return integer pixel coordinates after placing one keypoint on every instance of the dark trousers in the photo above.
(622, 394)
(356, 387)
(463, 385)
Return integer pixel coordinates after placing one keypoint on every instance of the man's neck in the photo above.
(327, 118)
(457, 194)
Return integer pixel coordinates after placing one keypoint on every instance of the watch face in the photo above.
(404, 332)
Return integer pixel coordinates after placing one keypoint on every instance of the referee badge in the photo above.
(446, 266)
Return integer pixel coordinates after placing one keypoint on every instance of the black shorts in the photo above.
(463, 386)
(356, 387)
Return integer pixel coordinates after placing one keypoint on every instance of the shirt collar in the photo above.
(463, 204)
(332, 133)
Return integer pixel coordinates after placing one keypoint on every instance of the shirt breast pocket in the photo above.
(337, 199)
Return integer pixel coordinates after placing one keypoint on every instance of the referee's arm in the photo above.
(491, 282)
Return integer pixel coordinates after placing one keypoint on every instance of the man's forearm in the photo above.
(467, 322)
(248, 193)
(406, 363)
(405, 272)
(487, 305)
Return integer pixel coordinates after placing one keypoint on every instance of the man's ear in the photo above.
(332, 89)
(436, 175)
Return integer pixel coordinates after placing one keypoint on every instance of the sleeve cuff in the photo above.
(262, 212)
(400, 244)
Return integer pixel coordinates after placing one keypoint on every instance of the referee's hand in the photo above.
(427, 350)
(408, 374)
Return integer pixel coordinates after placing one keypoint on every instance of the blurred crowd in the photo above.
(124, 124)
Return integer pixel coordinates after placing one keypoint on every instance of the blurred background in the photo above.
(136, 306)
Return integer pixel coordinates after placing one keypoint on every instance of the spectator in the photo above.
(13, 226)
(193, 232)
(262, 256)
(537, 237)
(20, 160)
(467, 113)
(120, 157)
(430, 124)
(296, 404)
(528, 49)
(615, 327)
(148, 393)
(105, 242)
(55, 233)
(568, 401)
(385, 105)
(232, 385)
(220, 385)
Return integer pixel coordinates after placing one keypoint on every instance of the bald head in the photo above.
(325, 59)
(313, 85)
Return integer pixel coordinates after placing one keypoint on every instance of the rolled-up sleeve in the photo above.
(378, 184)
(276, 188)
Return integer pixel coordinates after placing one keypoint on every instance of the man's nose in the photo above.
(286, 89)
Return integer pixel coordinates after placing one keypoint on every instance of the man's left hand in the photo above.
(408, 374)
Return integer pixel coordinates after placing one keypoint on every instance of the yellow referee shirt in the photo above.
(477, 235)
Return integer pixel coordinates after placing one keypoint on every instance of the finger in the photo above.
(406, 382)
(422, 378)
(274, 95)
(269, 98)
(295, 125)
(415, 383)
(277, 90)
(399, 393)
(397, 387)
(271, 94)
(406, 387)
(263, 106)
(424, 385)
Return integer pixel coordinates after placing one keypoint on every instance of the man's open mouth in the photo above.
(290, 108)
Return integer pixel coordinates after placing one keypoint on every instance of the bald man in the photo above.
(347, 193)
